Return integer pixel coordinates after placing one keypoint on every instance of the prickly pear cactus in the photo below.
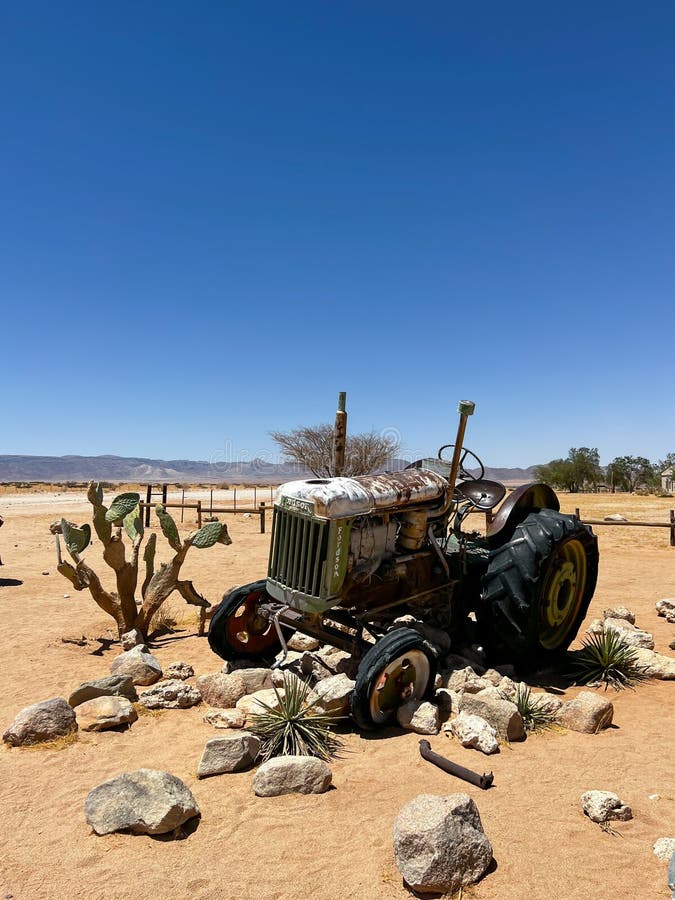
(77, 539)
(208, 535)
(121, 506)
(168, 527)
(133, 523)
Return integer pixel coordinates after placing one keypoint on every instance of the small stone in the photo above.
(656, 665)
(421, 717)
(102, 713)
(225, 718)
(439, 843)
(131, 639)
(252, 704)
(473, 731)
(587, 712)
(671, 645)
(146, 801)
(181, 670)
(112, 686)
(547, 703)
(620, 612)
(141, 665)
(171, 694)
(666, 608)
(447, 702)
(493, 676)
(292, 775)
(508, 688)
(334, 694)
(502, 714)
(221, 690)
(257, 679)
(615, 517)
(664, 848)
(300, 642)
(40, 722)
(654, 797)
(66, 596)
(629, 634)
(45, 573)
(230, 753)
(466, 679)
(604, 806)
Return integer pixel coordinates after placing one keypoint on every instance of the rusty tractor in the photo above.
(350, 555)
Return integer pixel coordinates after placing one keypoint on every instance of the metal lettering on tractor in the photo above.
(301, 506)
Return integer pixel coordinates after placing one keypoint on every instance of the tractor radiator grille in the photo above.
(298, 551)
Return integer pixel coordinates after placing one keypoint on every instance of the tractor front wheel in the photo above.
(401, 666)
(238, 630)
(537, 588)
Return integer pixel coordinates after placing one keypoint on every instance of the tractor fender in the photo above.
(517, 506)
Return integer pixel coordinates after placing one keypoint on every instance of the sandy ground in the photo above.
(337, 845)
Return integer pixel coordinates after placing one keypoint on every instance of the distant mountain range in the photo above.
(181, 471)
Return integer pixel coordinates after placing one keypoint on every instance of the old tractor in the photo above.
(350, 555)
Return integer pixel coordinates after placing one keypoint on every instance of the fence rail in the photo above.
(197, 505)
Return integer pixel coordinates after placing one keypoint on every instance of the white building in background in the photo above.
(668, 480)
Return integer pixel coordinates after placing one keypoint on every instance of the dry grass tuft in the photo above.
(59, 743)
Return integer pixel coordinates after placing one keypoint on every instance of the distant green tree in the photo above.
(580, 470)
(629, 472)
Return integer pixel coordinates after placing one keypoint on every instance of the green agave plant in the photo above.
(535, 716)
(605, 657)
(295, 727)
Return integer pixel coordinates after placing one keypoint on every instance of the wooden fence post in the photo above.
(262, 518)
(199, 513)
(148, 498)
(672, 528)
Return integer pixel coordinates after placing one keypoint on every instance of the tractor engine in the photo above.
(337, 540)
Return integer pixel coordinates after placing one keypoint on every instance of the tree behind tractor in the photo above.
(350, 555)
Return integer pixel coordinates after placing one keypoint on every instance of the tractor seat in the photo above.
(482, 493)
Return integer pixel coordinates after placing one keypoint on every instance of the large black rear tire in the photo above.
(401, 666)
(537, 588)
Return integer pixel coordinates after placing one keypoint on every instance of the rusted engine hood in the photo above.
(340, 498)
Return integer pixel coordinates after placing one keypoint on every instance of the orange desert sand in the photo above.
(337, 845)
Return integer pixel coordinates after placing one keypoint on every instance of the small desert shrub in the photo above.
(295, 728)
(535, 716)
(171, 616)
(605, 657)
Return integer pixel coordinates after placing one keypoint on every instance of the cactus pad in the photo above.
(77, 539)
(208, 535)
(168, 527)
(121, 506)
(133, 523)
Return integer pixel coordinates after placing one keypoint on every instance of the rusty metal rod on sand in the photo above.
(481, 781)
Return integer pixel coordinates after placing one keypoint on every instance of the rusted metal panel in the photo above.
(337, 498)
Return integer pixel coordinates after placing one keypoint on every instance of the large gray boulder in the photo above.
(230, 753)
(40, 722)
(171, 694)
(256, 704)
(221, 690)
(664, 848)
(301, 642)
(103, 713)
(619, 612)
(466, 680)
(146, 801)
(628, 633)
(439, 843)
(139, 663)
(292, 775)
(604, 806)
(503, 715)
(666, 608)
(112, 686)
(588, 713)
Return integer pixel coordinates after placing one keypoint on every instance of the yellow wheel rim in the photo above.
(563, 591)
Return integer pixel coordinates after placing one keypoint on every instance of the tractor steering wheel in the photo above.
(464, 474)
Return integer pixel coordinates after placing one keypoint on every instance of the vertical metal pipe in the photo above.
(340, 435)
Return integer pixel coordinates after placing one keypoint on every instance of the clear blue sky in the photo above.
(415, 203)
